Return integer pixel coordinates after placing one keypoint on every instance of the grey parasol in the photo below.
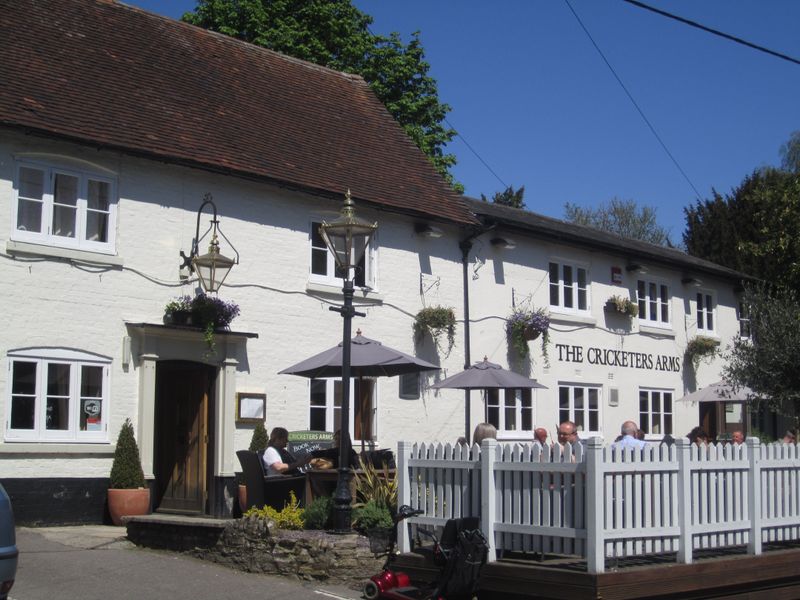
(484, 375)
(368, 358)
(719, 392)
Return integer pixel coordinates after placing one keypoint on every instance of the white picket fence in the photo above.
(599, 502)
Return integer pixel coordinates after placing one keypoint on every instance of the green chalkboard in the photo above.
(302, 443)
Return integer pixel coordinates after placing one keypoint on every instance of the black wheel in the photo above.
(371, 591)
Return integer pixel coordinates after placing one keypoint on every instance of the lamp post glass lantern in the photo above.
(347, 237)
(212, 268)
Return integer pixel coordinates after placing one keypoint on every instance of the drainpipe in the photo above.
(466, 245)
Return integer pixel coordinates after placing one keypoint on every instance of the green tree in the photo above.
(335, 34)
(766, 362)
(622, 217)
(126, 470)
(260, 439)
(508, 197)
(754, 229)
(790, 153)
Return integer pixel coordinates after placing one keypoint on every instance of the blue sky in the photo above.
(532, 96)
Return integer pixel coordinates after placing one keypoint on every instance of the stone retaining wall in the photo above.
(251, 544)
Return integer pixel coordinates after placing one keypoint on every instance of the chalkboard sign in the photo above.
(302, 443)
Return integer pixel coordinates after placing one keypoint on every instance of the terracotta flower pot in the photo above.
(128, 503)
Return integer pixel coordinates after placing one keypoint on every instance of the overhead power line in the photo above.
(633, 101)
(478, 156)
(722, 34)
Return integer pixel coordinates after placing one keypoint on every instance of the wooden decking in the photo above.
(774, 575)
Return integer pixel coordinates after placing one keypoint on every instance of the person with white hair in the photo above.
(629, 439)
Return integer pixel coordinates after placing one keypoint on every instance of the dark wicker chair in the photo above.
(268, 491)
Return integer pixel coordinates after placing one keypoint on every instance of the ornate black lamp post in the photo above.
(347, 237)
(212, 268)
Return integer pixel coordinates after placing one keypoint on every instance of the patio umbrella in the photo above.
(368, 358)
(719, 392)
(484, 375)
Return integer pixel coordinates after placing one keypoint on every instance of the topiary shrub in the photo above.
(371, 516)
(126, 470)
(260, 439)
(319, 514)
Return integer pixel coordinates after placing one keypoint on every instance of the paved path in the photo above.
(98, 563)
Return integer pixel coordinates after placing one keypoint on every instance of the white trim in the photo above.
(87, 256)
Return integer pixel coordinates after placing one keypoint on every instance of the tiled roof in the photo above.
(547, 228)
(106, 74)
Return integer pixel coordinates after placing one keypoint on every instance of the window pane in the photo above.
(593, 421)
(553, 284)
(24, 378)
(96, 226)
(582, 298)
(594, 394)
(667, 402)
(31, 183)
(700, 324)
(23, 395)
(563, 397)
(656, 402)
(29, 216)
(360, 275)
(91, 402)
(510, 410)
(709, 314)
(641, 299)
(98, 198)
(652, 298)
(667, 424)
(568, 287)
(644, 404)
(526, 410)
(319, 261)
(578, 399)
(65, 205)
(57, 416)
(57, 379)
(316, 420)
(57, 407)
(318, 392)
(31, 191)
(664, 304)
(493, 416)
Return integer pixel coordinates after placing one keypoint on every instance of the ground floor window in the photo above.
(325, 407)
(581, 405)
(655, 411)
(57, 396)
(510, 410)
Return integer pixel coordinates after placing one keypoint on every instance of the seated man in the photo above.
(629, 439)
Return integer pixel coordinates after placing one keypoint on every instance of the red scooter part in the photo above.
(379, 585)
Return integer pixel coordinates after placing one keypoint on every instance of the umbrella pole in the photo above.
(361, 408)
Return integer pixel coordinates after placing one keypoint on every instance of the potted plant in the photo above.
(258, 443)
(212, 313)
(436, 321)
(128, 493)
(622, 305)
(178, 311)
(700, 347)
(525, 325)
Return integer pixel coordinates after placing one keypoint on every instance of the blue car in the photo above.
(8, 545)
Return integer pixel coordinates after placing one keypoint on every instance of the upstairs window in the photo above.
(569, 287)
(705, 312)
(57, 396)
(744, 320)
(60, 207)
(323, 265)
(654, 301)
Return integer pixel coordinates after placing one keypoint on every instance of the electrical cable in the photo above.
(478, 156)
(633, 101)
(712, 31)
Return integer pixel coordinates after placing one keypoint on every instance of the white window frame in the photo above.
(329, 278)
(331, 409)
(645, 314)
(510, 399)
(75, 359)
(583, 432)
(702, 311)
(743, 316)
(45, 235)
(648, 417)
(574, 287)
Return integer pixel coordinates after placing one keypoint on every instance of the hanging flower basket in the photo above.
(623, 306)
(208, 312)
(436, 321)
(525, 325)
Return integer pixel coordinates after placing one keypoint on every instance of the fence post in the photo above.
(403, 493)
(488, 495)
(593, 500)
(754, 449)
(684, 501)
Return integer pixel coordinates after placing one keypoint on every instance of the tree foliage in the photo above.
(260, 439)
(767, 362)
(335, 34)
(754, 229)
(790, 153)
(622, 217)
(508, 197)
(126, 470)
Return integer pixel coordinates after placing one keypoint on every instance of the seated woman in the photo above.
(277, 460)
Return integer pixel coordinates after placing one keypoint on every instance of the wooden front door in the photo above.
(183, 398)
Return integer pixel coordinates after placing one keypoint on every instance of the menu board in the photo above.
(302, 443)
